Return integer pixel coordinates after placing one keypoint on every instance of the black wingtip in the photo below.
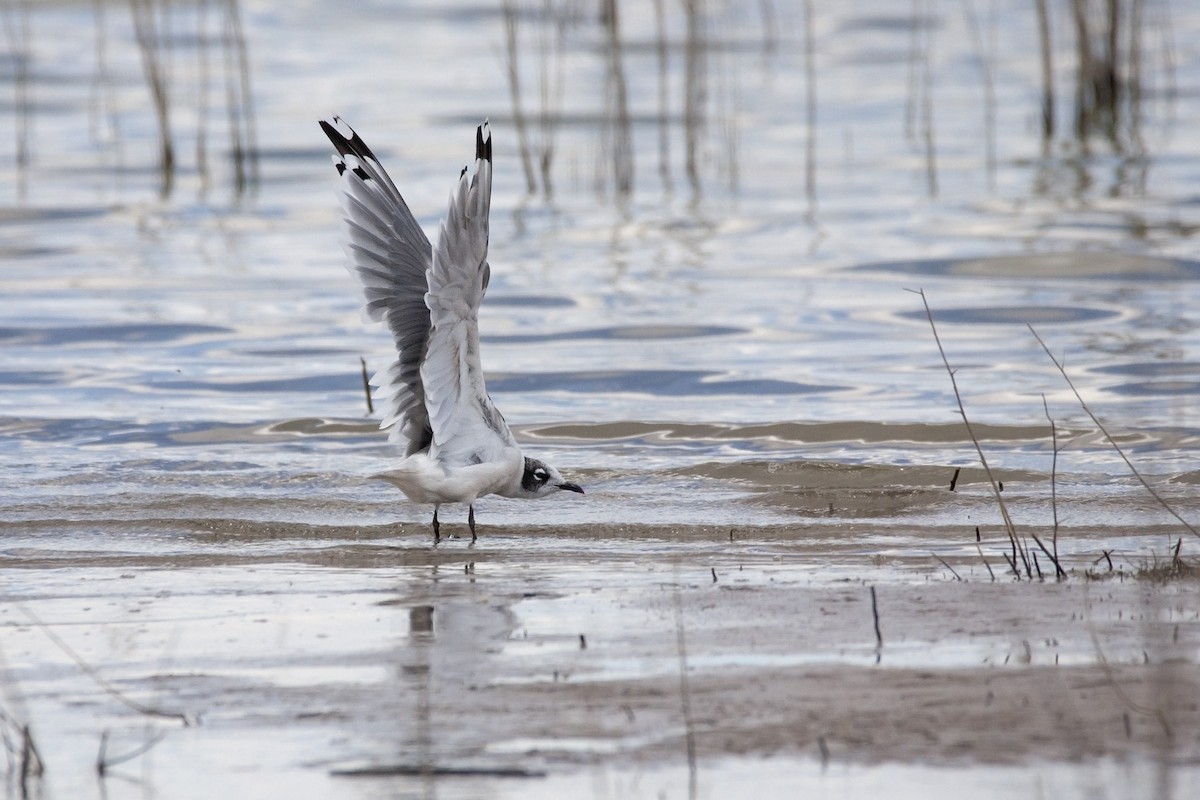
(340, 142)
(346, 146)
(483, 147)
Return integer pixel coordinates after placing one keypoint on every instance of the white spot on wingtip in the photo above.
(340, 126)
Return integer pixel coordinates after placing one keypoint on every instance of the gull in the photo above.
(457, 446)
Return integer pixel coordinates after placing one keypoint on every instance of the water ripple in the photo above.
(1009, 315)
(107, 334)
(1049, 266)
(622, 332)
(670, 383)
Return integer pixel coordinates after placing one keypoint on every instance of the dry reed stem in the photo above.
(1009, 527)
(942, 561)
(366, 386)
(1053, 484)
(985, 561)
(1108, 437)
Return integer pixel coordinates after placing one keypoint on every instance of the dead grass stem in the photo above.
(1020, 550)
(1108, 437)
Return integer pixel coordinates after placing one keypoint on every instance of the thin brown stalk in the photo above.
(366, 385)
(1053, 474)
(985, 561)
(942, 561)
(1009, 527)
(1108, 437)
(1059, 572)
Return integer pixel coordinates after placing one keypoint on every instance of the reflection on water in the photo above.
(770, 293)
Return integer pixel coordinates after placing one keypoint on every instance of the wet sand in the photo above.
(332, 659)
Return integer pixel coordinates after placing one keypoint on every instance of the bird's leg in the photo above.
(471, 521)
(437, 528)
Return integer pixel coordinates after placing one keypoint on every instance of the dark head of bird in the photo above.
(540, 479)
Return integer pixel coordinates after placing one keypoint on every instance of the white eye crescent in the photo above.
(541, 474)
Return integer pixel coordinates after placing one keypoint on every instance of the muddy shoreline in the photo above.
(546, 653)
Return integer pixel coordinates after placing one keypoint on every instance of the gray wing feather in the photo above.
(391, 257)
(467, 427)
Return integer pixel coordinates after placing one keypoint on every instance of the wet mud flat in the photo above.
(333, 661)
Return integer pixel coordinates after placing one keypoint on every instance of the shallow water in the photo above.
(698, 310)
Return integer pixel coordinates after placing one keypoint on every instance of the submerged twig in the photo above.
(1108, 437)
(942, 561)
(875, 616)
(1127, 700)
(104, 762)
(32, 765)
(1059, 572)
(985, 561)
(90, 671)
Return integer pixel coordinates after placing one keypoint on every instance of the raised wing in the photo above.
(391, 256)
(467, 428)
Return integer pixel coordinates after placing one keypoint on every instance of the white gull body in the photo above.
(457, 446)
